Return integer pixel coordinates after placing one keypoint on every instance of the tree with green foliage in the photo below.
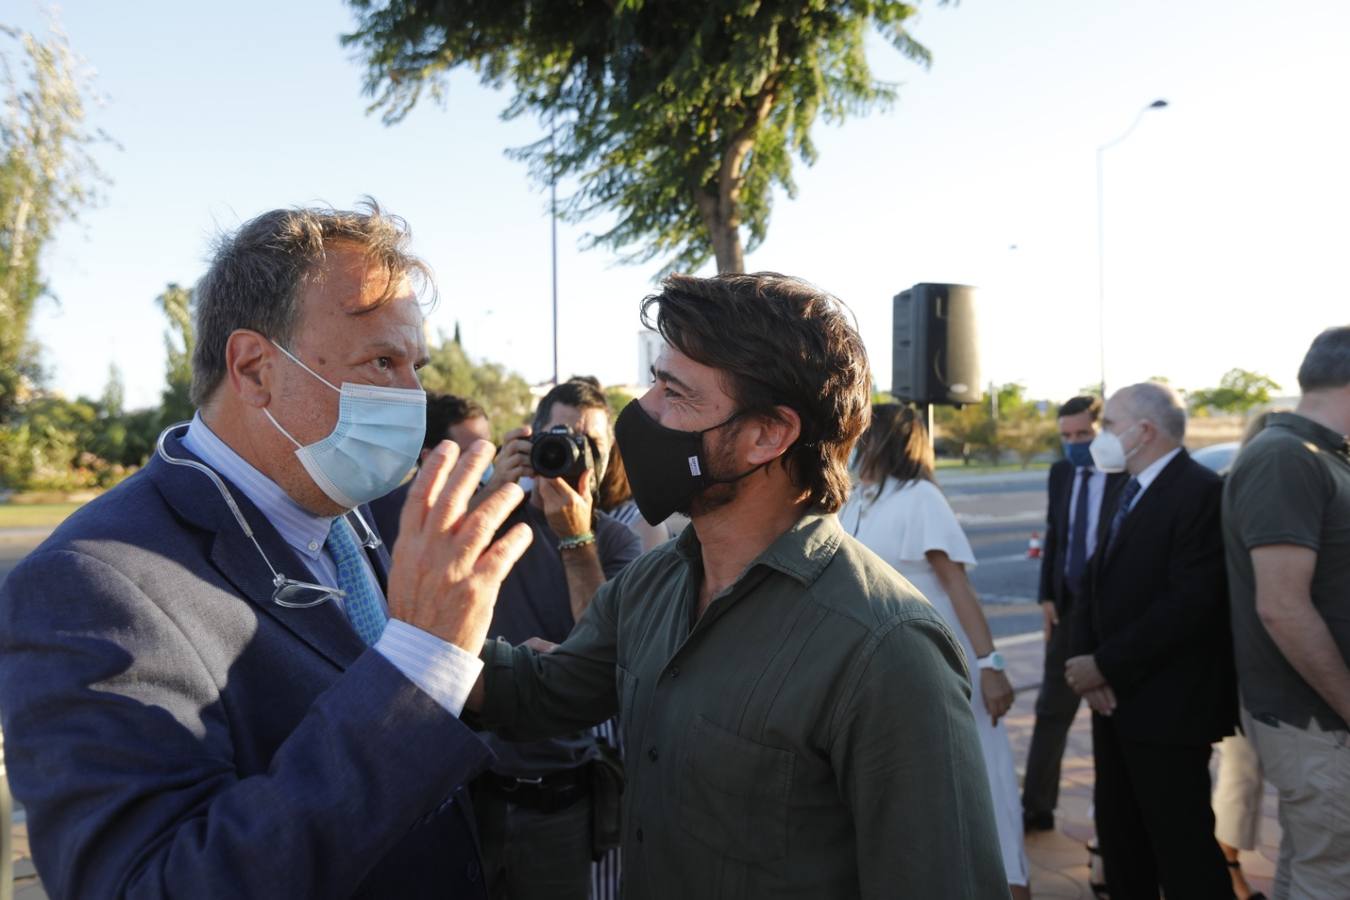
(180, 339)
(617, 398)
(1022, 427)
(114, 393)
(677, 117)
(1238, 391)
(52, 445)
(967, 429)
(504, 395)
(47, 177)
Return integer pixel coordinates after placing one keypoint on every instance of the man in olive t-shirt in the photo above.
(1287, 537)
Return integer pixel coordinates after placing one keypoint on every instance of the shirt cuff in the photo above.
(443, 671)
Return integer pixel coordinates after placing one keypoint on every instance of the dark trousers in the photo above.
(1056, 706)
(533, 855)
(1154, 820)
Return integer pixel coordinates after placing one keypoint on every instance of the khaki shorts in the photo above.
(1311, 770)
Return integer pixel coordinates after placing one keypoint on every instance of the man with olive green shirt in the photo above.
(797, 718)
(1286, 517)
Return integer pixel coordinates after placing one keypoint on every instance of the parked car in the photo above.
(1218, 457)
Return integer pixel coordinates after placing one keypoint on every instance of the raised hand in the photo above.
(568, 511)
(447, 569)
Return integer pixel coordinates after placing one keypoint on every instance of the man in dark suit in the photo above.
(205, 692)
(1152, 654)
(1072, 519)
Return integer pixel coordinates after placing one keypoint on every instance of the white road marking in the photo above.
(1015, 640)
(1010, 558)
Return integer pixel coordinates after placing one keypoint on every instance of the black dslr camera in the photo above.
(560, 452)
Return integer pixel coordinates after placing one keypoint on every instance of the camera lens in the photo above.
(553, 455)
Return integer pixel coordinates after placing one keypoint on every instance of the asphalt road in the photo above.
(998, 512)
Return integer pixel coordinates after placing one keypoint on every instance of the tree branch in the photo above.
(742, 141)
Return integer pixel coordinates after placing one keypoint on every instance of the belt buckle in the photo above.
(517, 782)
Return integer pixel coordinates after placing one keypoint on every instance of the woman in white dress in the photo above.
(899, 513)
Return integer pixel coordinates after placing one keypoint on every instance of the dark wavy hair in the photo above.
(1081, 404)
(445, 411)
(257, 273)
(777, 341)
(895, 446)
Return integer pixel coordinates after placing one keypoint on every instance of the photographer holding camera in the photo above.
(534, 808)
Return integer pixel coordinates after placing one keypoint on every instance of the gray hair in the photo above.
(1159, 404)
(1327, 364)
(256, 274)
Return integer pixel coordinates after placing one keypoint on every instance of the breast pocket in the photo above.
(734, 793)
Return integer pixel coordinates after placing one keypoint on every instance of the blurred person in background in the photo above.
(1073, 515)
(535, 808)
(449, 418)
(1286, 520)
(1077, 490)
(899, 513)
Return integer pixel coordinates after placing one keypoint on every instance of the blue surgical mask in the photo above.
(375, 443)
(1079, 454)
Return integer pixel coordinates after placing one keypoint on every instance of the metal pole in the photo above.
(1101, 235)
(553, 213)
(925, 411)
(1101, 273)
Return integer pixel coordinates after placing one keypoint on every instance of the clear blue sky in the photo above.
(1227, 213)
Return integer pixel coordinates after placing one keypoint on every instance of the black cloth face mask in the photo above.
(667, 468)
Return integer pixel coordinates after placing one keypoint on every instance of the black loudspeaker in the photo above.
(935, 355)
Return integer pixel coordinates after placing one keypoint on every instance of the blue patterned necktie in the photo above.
(1078, 536)
(1127, 495)
(363, 606)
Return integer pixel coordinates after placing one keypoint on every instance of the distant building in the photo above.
(650, 345)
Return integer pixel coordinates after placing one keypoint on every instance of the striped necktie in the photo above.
(1127, 495)
(363, 605)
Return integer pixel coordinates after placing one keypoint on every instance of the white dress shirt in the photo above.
(442, 670)
(1149, 475)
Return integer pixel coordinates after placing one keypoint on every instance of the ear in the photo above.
(773, 435)
(248, 367)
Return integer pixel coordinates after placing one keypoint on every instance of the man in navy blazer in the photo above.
(1076, 491)
(174, 730)
(1153, 655)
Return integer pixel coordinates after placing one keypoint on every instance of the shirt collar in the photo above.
(802, 552)
(1316, 432)
(1147, 477)
(300, 528)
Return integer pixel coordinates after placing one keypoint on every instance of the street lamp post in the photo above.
(1101, 235)
(553, 217)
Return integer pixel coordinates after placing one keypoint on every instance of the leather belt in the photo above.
(548, 793)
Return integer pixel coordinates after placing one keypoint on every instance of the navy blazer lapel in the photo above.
(196, 500)
(1146, 501)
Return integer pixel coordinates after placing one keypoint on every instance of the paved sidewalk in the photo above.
(1058, 858)
(26, 884)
